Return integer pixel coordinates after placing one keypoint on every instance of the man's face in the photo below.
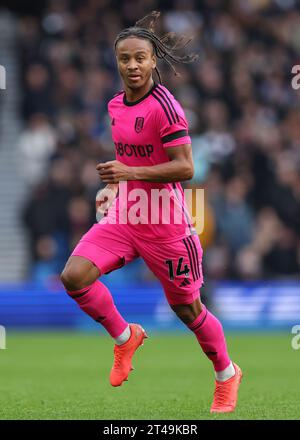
(136, 61)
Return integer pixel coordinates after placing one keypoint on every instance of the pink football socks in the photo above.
(210, 335)
(97, 302)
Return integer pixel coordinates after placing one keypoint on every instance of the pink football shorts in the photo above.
(177, 264)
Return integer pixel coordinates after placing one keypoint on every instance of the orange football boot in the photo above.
(226, 393)
(123, 354)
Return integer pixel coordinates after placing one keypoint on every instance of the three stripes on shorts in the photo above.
(193, 257)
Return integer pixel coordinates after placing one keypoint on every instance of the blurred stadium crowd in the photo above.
(243, 116)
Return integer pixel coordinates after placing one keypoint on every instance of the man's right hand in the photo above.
(105, 198)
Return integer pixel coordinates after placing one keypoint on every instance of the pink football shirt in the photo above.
(142, 131)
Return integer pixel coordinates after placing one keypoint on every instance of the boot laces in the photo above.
(118, 357)
(221, 394)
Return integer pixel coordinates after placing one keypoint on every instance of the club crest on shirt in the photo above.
(139, 124)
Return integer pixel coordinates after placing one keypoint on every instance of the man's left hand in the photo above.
(114, 172)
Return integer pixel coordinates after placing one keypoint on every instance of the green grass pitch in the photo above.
(65, 376)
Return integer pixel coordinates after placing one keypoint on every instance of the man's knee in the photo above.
(78, 273)
(71, 279)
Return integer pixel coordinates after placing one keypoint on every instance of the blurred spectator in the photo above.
(38, 91)
(283, 259)
(46, 266)
(234, 217)
(79, 218)
(37, 144)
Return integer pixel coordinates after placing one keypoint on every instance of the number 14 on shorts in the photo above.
(179, 270)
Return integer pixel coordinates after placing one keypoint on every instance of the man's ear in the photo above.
(153, 61)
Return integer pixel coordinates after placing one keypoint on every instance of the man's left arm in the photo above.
(179, 168)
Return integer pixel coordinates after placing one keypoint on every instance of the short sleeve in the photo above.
(171, 120)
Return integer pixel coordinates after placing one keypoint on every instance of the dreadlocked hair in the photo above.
(164, 47)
